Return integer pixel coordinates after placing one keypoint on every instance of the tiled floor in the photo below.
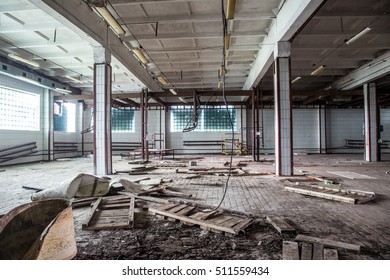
(367, 224)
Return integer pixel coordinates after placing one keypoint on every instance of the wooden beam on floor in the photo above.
(328, 243)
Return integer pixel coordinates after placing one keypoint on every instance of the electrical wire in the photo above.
(223, 76)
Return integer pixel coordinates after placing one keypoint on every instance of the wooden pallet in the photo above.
(348, 196)
(281, 225)
(206, 219)
(308, 251)
(111, 213)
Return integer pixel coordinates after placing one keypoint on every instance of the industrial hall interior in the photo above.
(195, 129)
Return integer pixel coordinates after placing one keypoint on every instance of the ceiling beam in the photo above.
(91, 96)
(196, 18)
(205, 35)
(369, 72)
(132, 2)
(290, 19)
(76, 13)
(215, 48)
(211, 59)
(157, 99)
(13, 6)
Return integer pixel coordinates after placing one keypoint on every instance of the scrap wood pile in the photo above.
(328, 188)
(123, 211)
(306, 247)
(235, 172)
(313, 248)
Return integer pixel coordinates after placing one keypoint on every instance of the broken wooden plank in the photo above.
(328, 242)
(146, 198)
(141, 179)
(154, 189)
(186, 211)
(211, 214)
(177, 208)
(187, 219)
(331, 254)
(114, 206)
(118, 225)
(290, 250)
(131, 212)
(221, 219)
(244, 224)
(168, 206)
(307, 251)
(81, 202)
(312, 192)
(318, 251)
(166, 192)
(232, 222)
(151, 182)
(280, 224)
(92, 211)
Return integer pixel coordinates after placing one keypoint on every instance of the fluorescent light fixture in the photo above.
(219, 84)
(63, 90)
(296, 79)
(183, 100)
(21, 59)
(227, 42)
(318, 70)
(346, 81)
(222, 70)
(141, 56)
(231, 6)
(108, 17)
(357, 36)
(162, 80)
(173, 91)
(77, 80)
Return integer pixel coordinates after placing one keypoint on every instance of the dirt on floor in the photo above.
(169, 240)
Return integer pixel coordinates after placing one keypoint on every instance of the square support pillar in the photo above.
(102, 112)
(283, 111)
(371, 123)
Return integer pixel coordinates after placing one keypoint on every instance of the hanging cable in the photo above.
(223, 77)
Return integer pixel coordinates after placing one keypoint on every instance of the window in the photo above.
(66, 120)
(218, 118)
(19, 110)
(122, 119)
(210, 118)
(181, 117)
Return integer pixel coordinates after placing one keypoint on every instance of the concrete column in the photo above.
(283, 111)
(102, 112)
(322, 129)
(371, 123)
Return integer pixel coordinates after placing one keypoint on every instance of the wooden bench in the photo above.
(18, 151)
